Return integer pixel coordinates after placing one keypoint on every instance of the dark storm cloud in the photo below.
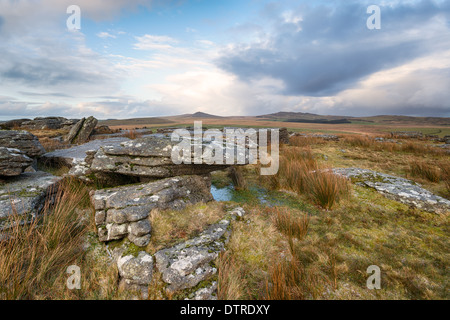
(334, 48)
(43, 72)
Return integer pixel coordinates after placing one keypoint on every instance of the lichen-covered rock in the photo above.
(208, 293)
(446, 139)
(327, 137)
(396, 188)
(26, 194)
(47, 123)
(122, 212)
(284, 136)
(136, 273)
(188, 263)
(82, 130)
(237, 213)
(13, 162)
(407, 134)
(149, 157)
(137, 270)
(22, 140)
(70, 137)
(79, 158)
(105, 130)
(12, 124)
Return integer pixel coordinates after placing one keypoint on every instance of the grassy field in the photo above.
(356, 127)
(330, 259)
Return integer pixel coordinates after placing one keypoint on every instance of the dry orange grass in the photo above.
(425, 170)
(34, 258)
(406, 146)
(229, 282)
(445, 173)
(288, 279)
(359, 141)
(292, 227)
(50, 144)
(326, 188)
(132, 134)
(305, 141)
(300, 172)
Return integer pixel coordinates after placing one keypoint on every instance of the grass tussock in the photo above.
(132, 134)
(445, 174)
(425, 170)
(326, 188)
(229, 278)
(35, 257)
(254, 245)
(359, 141)
(290, 225)
(288, 278)
(300, 172)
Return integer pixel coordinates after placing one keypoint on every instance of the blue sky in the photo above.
(140, 58)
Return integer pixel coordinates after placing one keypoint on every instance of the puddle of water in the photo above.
(227, 194)
(222, 194)
(261, 196)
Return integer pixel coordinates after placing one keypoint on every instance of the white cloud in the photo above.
(105, 35)
(153, 42)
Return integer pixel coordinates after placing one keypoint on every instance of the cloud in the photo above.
(25, 15)
(153, 42)
(105, 35)
(12, 108)
(310, 56)
(48, 94)
(322, 50)
(54, 64)
(40, 59)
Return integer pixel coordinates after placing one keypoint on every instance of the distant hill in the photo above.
(294, 117)
(387, 119)
(324, 121)
(134, 121)
(383, 119)
(302, 117)
(199, 115)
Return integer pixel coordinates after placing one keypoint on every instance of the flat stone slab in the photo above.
(396, 188)
(75, 157)
(22, 140)
(26, 194)
(13, 162)
(151, 157)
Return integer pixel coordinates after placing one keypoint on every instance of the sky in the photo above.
(144, 58)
